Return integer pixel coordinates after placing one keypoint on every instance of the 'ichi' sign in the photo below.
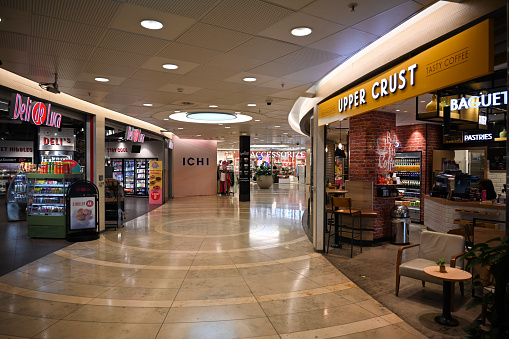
(38, 113)
(134, 134)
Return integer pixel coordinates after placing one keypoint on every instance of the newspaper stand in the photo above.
(82, 211)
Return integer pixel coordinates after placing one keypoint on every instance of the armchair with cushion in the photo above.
(432, 246)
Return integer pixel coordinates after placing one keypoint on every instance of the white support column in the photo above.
(318, 189)
(95, 160)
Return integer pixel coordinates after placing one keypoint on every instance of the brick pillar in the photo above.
(372, 152)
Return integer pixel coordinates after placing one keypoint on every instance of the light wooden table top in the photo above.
(335, 191)
(453, 274)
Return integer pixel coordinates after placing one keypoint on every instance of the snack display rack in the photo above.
(46, 204)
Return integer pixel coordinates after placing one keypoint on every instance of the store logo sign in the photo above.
(38, 113)
(478, 137)
(485, 100)
(134, 134)
(195, 161)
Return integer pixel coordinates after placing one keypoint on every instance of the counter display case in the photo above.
(17, 197)
(5, 174)
(46, 205)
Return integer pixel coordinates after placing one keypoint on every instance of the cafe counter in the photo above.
(441, 214)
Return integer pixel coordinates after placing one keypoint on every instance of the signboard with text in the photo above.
(16, 152)
(38, 113)
(82, 213)
(155, 170)
(51, 139)
(465, 56)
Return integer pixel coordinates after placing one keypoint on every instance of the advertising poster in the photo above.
(155, 182)
(83, 213)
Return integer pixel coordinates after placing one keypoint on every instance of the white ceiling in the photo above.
(216, 43)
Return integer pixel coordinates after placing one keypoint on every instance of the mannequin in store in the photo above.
(224, 178)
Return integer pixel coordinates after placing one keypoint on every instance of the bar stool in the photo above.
(341, 207)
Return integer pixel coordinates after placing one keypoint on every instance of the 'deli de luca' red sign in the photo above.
(36, 112)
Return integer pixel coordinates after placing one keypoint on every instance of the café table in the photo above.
(453, 275)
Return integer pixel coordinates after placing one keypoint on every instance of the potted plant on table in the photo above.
(264, 176)
(441, 262)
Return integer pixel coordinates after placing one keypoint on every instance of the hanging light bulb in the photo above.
(326, 149)
(339, 151)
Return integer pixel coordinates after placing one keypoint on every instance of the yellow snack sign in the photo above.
(465, 56)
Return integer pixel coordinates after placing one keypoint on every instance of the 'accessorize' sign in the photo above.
(465, 56)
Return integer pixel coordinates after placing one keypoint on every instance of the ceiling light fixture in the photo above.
(102, 79)
(176, 111)
(301, 31)
(213, 106)
(277, 126)
(198, 135)
(151, 24)
(226, 126)
(211, 116)
(166, 119)
(249, 79)
(251, 105)
(170, 66)
(147, 105)
(180, 128)
(257, 119)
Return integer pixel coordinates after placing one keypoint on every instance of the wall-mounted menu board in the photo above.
(497, 158)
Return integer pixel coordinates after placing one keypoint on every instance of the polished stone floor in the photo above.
(199, 267)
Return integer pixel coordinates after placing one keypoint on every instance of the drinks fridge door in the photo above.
(129, 176)
(141, 169)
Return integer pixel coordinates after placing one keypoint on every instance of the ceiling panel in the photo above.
(339, 12)
(239, 76)
(178, 88)
(214, 73)
(149, 75)
(235, 62)
(143, 84)
(345, 42)
(22, 57)
(282, 29)
(307, 57)
(213, 37)
(16, 21)
(129, 16)
(119, 98)
(60, 49)
(132, 43)
(120, 58)
(63, 30)
(108, 69)
(188, 8)
(384, 22)
(186, 80)
(190, 53)
(291, 4)
(161, 97)
(264, 48)
(94, 86)
(66, 68)
(274, 69)
(91, 12)
(250, 16)
(14, 41)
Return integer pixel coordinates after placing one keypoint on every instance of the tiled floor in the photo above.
(200, 267)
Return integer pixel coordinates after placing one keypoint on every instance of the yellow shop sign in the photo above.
(465, 56)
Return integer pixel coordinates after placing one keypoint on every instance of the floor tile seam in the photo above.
(112, 243)
(339, 330)
(41, 295)
(305, 293)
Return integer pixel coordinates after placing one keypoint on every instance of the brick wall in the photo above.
(498, 179)
(366, 164)
(421, 138)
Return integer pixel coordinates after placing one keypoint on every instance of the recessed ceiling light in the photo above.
(226, 126)
(285, 133)
(255, 138)
(423, 101)
(237, 112)
(151, 24)
(181, 128)
(257, 119)
(176, 111)
(397, 110)
(213, 106)
(405, 111)
(148, 105)
(251, 105)
(249, 79)
(102, 79)
(277, 126)
(220, 124)
(170, 66)
(301, 31)
(198, 135)
(166, 119)
(211, 116)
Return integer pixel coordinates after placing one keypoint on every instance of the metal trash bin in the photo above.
(400, 225)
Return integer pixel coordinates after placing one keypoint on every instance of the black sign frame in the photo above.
(82, 189)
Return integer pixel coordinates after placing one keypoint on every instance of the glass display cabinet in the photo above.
(17, 197)
(46, 205)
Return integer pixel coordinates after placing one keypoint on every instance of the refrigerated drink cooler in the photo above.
(133, 174)
(408, 169)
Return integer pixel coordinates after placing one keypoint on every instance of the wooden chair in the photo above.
(432, 246)
(344, 206)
